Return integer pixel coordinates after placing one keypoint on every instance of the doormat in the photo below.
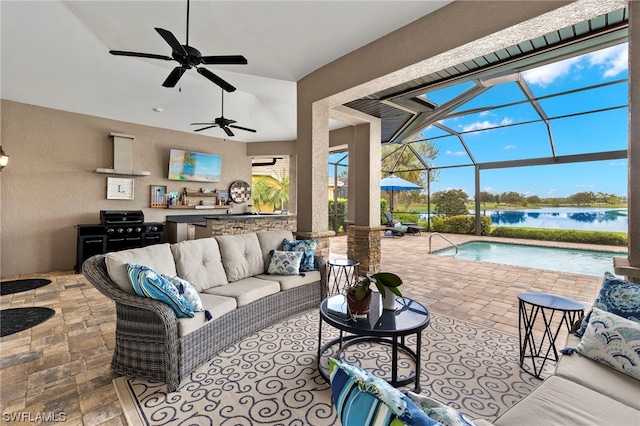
(15, 320)
(16, 286)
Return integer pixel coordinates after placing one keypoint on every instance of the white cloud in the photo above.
(449, 152)
(485, 124)
(617, 163)
(547, 74)
(585, 185)
(505, 121)
(487, 189)
(510, 147)
(614, 60)
(484, 113)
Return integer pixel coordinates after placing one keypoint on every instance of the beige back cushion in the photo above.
(158, 257)
(241, 255)
(272, 240)
(199, 262)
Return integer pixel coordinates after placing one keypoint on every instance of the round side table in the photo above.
(531, 306)
(344, 273)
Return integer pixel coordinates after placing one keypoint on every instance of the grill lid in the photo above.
(121, 217)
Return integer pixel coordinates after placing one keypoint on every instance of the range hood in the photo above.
(122, 157)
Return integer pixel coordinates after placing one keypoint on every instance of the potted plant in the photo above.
(359, 294)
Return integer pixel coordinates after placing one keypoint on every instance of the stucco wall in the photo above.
(50, 184)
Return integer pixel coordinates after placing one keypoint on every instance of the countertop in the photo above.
(203, 218)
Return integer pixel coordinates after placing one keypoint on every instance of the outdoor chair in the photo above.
(410, 228)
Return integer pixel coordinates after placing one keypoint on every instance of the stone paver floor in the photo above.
(63, 365)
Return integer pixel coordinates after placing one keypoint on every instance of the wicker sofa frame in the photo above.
(147, 343)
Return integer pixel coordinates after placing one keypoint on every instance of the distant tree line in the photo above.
(454, 201)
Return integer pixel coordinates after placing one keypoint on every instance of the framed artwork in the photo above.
(158, 196)
(194, 166)
(119, 188)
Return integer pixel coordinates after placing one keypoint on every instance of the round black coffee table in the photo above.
(381, 327)
(545, 306)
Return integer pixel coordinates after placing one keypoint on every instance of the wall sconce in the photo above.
(4, 159)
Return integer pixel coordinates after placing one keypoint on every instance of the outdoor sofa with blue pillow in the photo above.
(244, 283)
(596, 381)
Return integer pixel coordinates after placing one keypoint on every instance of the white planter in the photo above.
(389, 300)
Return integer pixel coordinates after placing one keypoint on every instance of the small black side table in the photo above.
(545, 305)
(344, 271)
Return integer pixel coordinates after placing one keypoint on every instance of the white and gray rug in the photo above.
(270, 378)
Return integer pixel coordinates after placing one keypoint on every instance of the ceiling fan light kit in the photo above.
(188, 57)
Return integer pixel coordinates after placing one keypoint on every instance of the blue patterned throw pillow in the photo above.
(186, 290)
(363, 399)
(148, 283)
(438, 411)
(307, 248)
(617, 296)
(613, 341)
(285, 262)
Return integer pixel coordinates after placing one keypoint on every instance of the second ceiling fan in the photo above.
(222, 122)
(188, 57)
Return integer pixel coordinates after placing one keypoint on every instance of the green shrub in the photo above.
(342, 214)
(564, 235)
(461, 224)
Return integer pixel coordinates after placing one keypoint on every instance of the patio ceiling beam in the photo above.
(425, 119)
(564, 159)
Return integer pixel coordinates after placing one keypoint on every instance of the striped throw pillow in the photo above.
(148, 283)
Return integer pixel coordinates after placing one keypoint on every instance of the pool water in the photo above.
(585, 262)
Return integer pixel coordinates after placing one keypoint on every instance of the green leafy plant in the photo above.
(382, 280)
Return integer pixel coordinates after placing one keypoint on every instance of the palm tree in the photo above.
(281, 190)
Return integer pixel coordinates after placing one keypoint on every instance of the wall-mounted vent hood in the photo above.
(122, 157)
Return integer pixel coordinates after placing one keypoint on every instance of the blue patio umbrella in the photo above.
(394, 183)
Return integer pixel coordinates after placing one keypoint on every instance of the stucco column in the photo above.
(312, 175)
(634, 139)
(363, 237)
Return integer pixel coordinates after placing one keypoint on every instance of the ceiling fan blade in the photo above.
(174, 77)
(205, 128)
(140, 55)
(203, 124)
(227, 131)
(242, 128)
(217, 80)
(224, 60)
(173, 41)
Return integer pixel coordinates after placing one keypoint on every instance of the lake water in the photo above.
(589, 219)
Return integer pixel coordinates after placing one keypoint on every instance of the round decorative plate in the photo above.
(240, 191)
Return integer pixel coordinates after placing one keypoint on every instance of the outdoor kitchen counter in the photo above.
(229, 224)
(185, 227)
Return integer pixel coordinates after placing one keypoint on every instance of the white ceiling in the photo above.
(56, 54)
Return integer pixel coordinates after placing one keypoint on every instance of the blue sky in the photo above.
(572, 135)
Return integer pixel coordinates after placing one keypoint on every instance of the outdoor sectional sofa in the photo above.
(228, 273)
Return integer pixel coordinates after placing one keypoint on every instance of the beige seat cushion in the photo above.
(216, 305)
(291, 281)
(158, 257)
(241, 256)
(598, 377)
(558, 401)
(272, 240)
(199, 262)
(246, 290)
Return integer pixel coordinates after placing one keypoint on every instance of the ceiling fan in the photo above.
(188, 57)
(222, 122)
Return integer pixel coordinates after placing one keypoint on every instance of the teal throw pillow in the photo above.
(438, 411)
(613, 341)
(363, 399)
(186, 290)
(617, 296)
(148, 283)
(308, 250)
(285, 262)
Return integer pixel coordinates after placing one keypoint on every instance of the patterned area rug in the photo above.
(271, 378)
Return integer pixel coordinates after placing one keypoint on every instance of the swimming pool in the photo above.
(586, 262)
